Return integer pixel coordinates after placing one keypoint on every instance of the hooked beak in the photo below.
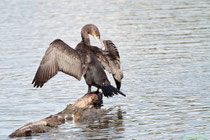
(99, 41)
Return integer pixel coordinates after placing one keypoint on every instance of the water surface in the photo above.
(165, 53)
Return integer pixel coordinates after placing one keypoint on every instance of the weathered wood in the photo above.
(86, 108)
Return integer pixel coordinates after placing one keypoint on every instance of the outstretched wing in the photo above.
(58, 57)
(101, 57)
(112, 55)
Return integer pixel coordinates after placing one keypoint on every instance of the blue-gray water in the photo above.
(165, 53)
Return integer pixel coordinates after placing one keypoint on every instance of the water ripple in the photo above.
(165, 53)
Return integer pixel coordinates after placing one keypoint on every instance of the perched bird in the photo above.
(85, 60)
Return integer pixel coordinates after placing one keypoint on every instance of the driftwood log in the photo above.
(86, 108)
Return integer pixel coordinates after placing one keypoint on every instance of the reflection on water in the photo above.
(165, 53)
(111, 125)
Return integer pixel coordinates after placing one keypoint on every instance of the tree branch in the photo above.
(86, 108)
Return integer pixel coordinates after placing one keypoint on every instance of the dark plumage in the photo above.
(113, 58)
(85, 60)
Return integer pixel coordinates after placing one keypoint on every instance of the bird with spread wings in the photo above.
(85, 60)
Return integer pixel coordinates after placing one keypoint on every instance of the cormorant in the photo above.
(85, 60)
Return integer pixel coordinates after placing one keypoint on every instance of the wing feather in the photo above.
(110, 60)
(101, 58)
(112, 55)
(58, 57)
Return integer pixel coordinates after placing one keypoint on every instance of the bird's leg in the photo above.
(99, 102)
(97, 91)
(89, 89)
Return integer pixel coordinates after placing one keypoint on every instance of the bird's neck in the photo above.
(86, 41)
(85, 37)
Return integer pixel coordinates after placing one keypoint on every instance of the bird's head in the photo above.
(92, 30)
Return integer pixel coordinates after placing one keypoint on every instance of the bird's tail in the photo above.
(110, 91)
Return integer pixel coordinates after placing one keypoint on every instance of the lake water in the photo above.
(165, 53)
